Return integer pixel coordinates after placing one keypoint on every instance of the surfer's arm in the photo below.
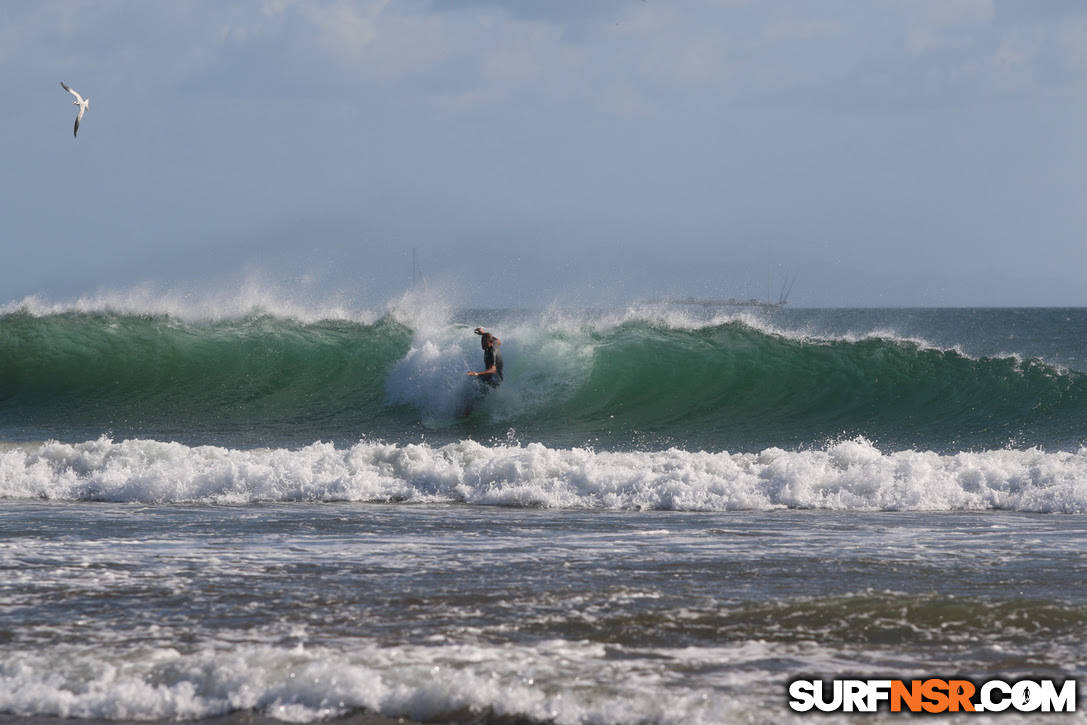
(481, 331)
(489, 371)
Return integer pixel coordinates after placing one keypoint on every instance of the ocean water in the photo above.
(263, 512)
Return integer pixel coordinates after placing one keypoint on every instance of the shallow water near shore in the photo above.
(438, 612)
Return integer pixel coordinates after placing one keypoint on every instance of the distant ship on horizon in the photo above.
(782, 300)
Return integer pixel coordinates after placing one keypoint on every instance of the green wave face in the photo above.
(734, 385)
(265, 380)
(256, 378)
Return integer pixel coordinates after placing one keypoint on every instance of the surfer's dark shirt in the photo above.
(491, 356)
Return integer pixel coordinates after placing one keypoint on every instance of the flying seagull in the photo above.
(79, 101)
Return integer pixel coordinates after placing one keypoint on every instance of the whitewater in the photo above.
(252, 507)
(851, 475)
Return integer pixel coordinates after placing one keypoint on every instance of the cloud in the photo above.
(625, 58)
(347, 30)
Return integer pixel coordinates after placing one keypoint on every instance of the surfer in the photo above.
(492, 359)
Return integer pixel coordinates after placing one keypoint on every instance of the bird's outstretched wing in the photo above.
(68, 88)
(75, 131)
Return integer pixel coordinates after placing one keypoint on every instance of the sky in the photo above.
(891, 153)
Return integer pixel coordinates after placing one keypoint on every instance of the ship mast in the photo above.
(416, 273)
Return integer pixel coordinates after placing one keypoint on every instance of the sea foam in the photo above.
(440, 683)
(848, 475)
